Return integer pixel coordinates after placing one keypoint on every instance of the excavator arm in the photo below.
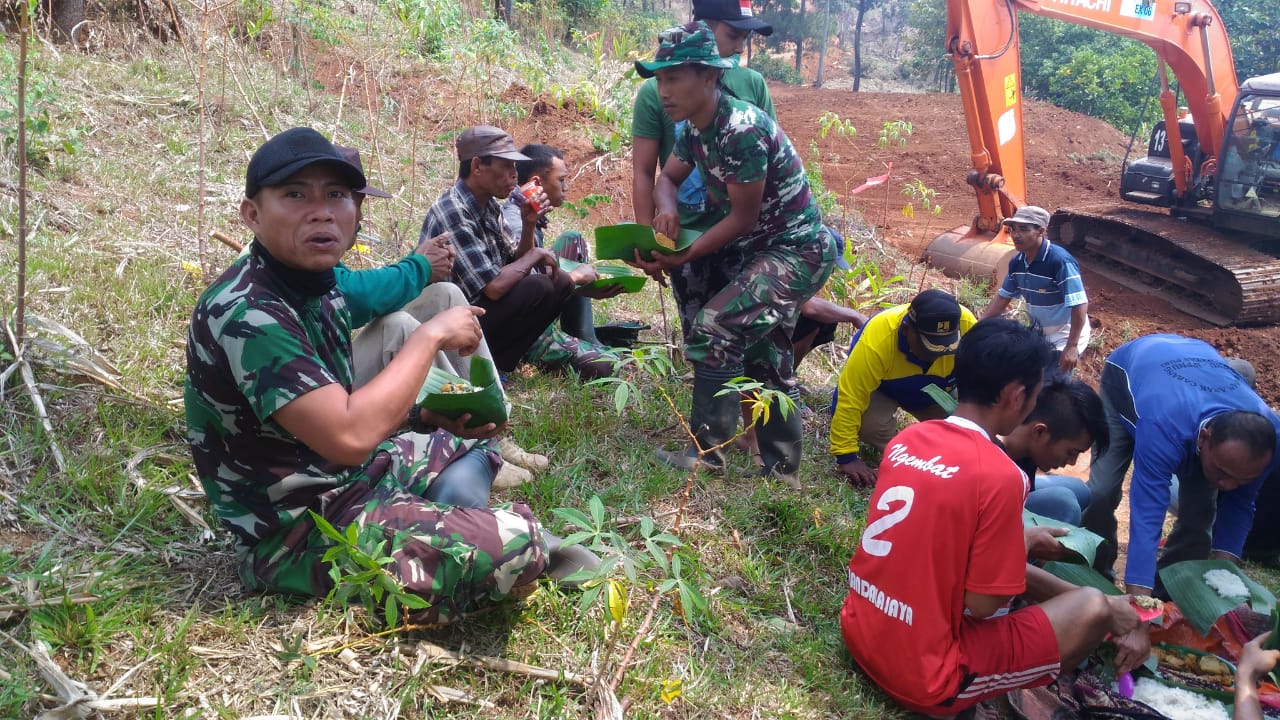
(982, 42)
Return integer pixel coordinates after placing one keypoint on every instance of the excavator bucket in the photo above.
(960, 252)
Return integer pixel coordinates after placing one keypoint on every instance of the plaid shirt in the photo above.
(484, 243)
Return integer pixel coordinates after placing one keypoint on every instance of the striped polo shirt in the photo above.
(1051, 286)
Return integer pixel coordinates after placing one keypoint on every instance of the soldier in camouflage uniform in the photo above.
(277, 432)
(748, 274)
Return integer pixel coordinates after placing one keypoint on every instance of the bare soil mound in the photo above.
(1072, 159)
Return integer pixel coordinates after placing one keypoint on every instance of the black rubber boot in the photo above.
(780, 442)
(564, 562)
(713, 419)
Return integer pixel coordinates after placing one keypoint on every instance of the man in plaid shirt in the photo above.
(519, 285)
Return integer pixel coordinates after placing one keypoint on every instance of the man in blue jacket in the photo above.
(1175, 407)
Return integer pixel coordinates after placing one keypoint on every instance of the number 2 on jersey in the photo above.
(871, 542)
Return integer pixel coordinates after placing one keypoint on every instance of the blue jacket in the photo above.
(1177, 385)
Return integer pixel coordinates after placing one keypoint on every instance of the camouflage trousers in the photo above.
(570, 245)
(739, 306)
(556, 348)
(459, 559)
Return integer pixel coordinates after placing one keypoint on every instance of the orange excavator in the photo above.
(1201, 221)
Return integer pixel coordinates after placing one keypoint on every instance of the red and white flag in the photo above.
(874, 181)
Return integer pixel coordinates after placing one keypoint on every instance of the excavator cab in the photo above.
(1248, 182)
(1149, 180)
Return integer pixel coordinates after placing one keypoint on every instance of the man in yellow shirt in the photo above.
(893, 358)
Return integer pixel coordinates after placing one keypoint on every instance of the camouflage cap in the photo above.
(692, 44)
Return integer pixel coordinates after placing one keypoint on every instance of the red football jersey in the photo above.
(945, 517)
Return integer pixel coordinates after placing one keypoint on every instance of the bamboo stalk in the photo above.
(20, 322)
(435, 652)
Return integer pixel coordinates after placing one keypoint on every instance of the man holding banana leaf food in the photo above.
(767, 256)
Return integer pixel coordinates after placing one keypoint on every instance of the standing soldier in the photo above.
(760, 262)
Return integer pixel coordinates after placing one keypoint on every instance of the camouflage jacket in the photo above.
(253, 347)
(743, 145)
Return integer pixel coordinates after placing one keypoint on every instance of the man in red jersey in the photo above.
(943, 552)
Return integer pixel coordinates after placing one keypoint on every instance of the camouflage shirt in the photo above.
(253, 347)
(743, 145)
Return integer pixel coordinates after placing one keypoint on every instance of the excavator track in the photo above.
(1198, 269)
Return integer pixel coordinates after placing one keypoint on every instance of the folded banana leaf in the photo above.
(620, 242)
(486, 405)
(941, 397)
(1081, 545)
(1200, 603)
(1081, 575)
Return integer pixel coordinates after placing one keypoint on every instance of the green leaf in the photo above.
(414, 602)
(659, 556)
(621, 394)
(1081, 544)
(1201, 604)
(390, 613)
(1273, 642)
(646, 526)
(326, 528)
(941, 397)
(589, 596)
(574, 517)
(597, 510)
(576, 538)
(1081, 575)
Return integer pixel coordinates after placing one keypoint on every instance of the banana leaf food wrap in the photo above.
(486, 403)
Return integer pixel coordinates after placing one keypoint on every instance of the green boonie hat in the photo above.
(692, 44)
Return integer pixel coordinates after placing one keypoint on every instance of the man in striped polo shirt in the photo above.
(1048, 278)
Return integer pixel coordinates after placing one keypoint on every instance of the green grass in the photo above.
(121, 268)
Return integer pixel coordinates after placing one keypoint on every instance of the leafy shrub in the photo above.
(44, 137)
(429, 23)
(775, 69)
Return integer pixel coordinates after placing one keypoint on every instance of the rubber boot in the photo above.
(780, 443)
(563, 562)
(576, 319)
(713, 419)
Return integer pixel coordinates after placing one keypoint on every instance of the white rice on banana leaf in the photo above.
(1226, 583)
(1176, 703)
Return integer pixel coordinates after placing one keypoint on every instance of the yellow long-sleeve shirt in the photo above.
(879, 359)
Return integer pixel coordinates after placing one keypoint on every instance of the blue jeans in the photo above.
(1059, 497)
(465, 482)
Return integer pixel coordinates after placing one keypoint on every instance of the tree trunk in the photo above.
(502, 9)
(64, 16)
(857, 45)
(800, 39)
(822, 54)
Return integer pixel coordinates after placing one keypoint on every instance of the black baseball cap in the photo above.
(935, 314)
(734, 13)
(288, 153)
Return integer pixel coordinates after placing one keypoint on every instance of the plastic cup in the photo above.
(529, 190)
